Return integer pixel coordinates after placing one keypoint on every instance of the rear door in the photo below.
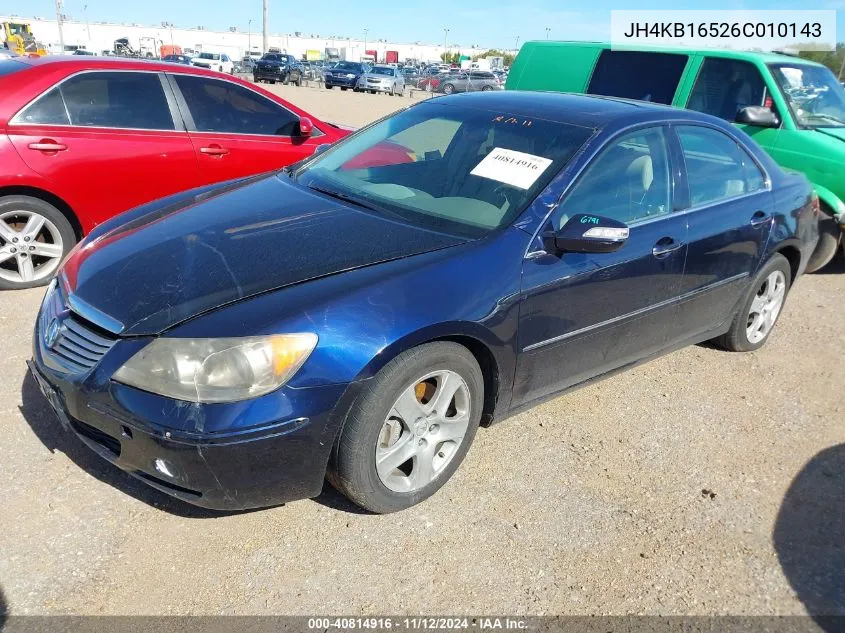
(729, 215)
(236, 131)
(107, 140)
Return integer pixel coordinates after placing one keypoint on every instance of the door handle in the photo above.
(214, 150)
(760, 218)
(665, 247)
(47, 145)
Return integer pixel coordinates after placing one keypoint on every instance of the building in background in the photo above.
(100, 36)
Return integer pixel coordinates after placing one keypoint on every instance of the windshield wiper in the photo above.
(824, 117)
(345, 197)
(364, 204)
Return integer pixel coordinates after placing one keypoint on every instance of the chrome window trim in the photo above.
(672, 123)
(635, 313)
(14, 121)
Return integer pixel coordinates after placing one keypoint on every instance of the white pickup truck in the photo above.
(220, 62)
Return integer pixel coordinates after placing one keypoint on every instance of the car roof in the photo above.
(74, 63)
(591, 111)
(765, 57)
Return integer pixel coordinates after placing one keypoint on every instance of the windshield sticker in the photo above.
(512, 167)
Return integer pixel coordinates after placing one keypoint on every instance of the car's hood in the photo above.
(344, 71)
(204, 62)
(180, 260)
(835, 132)
(270, 62)
(376, 76)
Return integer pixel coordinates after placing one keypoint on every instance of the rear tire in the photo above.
(344, 88)
(759, 311)
(830, 236)
(32, 264)
(393, 412)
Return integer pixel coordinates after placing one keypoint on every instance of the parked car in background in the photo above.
(794, 108)
(90, 137)
(431, 83)
(469, 81)
(411, 75)
(362, 323)
(344, 75)
(185, 60)
(246, 65)
(220, 62)
(382, 79)
(82, 51)
(307, 69)
(281, 67)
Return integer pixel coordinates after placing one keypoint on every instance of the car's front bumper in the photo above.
(227, 456)
(343, 81)
(378, 87)
(275, 74)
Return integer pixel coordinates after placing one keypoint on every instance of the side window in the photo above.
(117, 100)
(222, 106)
(717, 167)
(725, 86)
(48, 110)
(224, 58)
(628, 181)
(637, 75)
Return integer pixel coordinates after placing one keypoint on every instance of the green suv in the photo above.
(794, 108)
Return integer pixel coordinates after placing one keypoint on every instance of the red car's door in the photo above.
(236, 131)
(107, 140)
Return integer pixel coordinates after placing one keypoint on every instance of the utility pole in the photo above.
(445, 45)
(365, 40)
(264, 38)
(59, 18)
(516, 46)
(547, 32)
(249, 38)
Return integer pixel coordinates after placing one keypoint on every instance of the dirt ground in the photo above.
(702, 483)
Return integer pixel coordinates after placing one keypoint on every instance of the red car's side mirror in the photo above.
(306, 127)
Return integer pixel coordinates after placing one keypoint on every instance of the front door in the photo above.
(585, 314)
(108, 142)
(237, 132)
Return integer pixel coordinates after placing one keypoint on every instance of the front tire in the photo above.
(410, 429)
(448, 89)
(35, 237)
(829, 238)
(761, 307)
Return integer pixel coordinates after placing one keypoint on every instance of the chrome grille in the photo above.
(69, 342)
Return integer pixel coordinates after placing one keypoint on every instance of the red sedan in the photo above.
(84, 139)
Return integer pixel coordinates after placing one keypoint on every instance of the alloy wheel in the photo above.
(423, 431)
(766, 306)
(31, 246)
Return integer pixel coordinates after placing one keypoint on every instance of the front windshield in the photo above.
(348, 66)
(815, 97)
(381, 70)
(209, 56)
(452, 168)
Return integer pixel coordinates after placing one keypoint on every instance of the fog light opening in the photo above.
(164, 468)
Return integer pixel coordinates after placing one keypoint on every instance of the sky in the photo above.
(486, 23)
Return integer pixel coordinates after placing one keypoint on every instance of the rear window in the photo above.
(637, 75)
(9, 66)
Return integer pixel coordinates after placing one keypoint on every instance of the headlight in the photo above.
(217, 369)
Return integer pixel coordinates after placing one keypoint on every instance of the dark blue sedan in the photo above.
(359, 315)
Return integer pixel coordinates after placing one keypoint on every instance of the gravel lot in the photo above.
(702, 483)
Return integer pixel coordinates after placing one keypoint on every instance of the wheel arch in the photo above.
(475, 338)
(793, 255)
(831, 201)
(50, 198)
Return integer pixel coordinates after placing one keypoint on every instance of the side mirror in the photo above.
(306, 127)
(759, 116)
(587, 234)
